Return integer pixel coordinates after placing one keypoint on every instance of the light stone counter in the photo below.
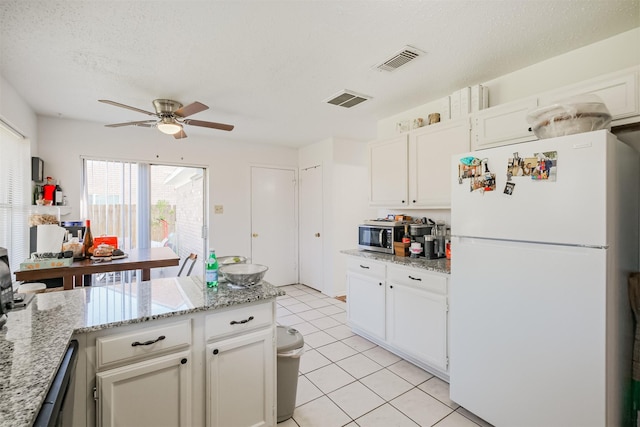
(34, 340)
(441, 265)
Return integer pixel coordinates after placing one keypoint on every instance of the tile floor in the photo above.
(346, 380)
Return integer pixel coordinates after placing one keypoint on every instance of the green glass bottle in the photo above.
(211, 275)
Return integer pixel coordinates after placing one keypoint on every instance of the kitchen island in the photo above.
(34, 340)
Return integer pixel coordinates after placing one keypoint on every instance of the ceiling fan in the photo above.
(171, 116)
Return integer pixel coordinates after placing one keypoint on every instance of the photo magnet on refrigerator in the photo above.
(509, 187)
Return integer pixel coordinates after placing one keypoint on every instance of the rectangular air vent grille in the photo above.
(347, 99)
(404, 56)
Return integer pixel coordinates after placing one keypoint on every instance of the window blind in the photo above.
(15, 196)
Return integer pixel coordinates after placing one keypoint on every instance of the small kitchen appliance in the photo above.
(379, 238)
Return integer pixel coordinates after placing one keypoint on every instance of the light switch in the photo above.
(218, 209)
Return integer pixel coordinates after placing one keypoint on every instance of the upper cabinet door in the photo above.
(503, 125)
(430, 151)
(388, 172)
(619, 92)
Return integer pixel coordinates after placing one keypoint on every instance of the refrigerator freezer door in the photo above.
(527, 329)
(571, 210)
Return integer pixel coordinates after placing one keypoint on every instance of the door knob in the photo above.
(317, 234)
(254, 235)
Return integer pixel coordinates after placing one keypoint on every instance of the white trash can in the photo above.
(290, 348)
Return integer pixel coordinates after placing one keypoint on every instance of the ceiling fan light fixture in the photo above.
(169, 126)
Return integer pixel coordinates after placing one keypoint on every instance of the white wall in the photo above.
(64, 141)
(345, 184)
(15, 111)
(606, 56)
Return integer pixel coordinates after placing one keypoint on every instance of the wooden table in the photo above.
(137, 259)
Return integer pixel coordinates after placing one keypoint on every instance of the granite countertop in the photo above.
(441, 265)
(34, 339)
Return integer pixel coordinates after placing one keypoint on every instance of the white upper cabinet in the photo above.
(388, 185)
(619, 91)
(503, 124)
(430, 151)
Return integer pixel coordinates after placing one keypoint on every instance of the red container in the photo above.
(106, 240)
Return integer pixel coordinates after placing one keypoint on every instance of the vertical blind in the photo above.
(111, 199)
(15, 196)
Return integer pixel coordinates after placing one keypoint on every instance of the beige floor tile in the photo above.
(359, 366)
(306, 328)
(340, 317)
(286, 302)
(289, 320)
(318, 339)
(312, 315)
(298, 308)
(356, 399)
(331, 310)
(476, 419)
(340, 332)
(386, 384)
(420, 407)
(336, 351)
(306, 391)
(380, 355)
(312, 360)
(295, 292)
(330, 378)
(440, 390)
(321, 412)
(319, 303)
(410, 372)
(288, 423)
(454, 419)
(385, 416)
(324, 322)
(358, 343)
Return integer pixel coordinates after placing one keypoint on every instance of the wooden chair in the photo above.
(192, 257)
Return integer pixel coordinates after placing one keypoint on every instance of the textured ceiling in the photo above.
(266, 66)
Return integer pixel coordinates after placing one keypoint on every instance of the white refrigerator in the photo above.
(540, 324)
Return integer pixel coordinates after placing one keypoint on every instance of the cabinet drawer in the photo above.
(142, 343)
(417, 278)
(366, 267)
(238, 320)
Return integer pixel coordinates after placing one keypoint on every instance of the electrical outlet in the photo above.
(218, 209)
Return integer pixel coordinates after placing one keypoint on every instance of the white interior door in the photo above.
(273, 223)
(311, 232)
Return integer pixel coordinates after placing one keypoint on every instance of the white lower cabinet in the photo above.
(155, 392)
(240, 381)
(366, 297)
(417, 315)
(404, 310)
(214, 368)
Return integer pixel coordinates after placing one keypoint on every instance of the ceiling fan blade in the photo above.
(144, 123)
(190, 109)
(180, 134)
(211, 125)
(128, 107)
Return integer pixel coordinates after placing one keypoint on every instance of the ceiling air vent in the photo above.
(347, 99)
(400, 58)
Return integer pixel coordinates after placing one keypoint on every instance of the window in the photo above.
(14, 196)
(147, 205)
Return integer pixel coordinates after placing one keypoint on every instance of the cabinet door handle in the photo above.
(403, 202)
(391, 286)
(216, 351)
(137, 343)
(415, 278)
(183, 361)
(414, 201)
(364, 266)
(235, 322)
(380, 283)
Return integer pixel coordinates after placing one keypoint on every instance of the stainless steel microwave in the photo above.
(379, 238)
